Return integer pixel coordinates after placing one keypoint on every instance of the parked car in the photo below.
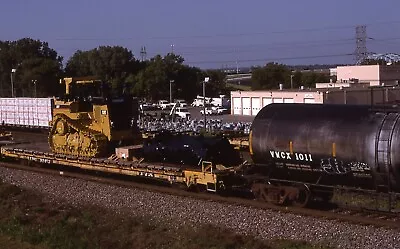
(181, 103)
(209, 111)
(182, 112)
(148, 107)
(221, 110)
(164, 104)
(199, 101)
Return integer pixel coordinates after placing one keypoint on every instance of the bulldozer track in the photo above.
(99, 139)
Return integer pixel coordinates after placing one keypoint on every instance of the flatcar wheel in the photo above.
(302, 197)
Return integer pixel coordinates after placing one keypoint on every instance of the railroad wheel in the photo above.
(260, 191)
(327, 197)
(302, 197)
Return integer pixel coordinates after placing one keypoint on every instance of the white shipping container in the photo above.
(44, 109)
(26, 111)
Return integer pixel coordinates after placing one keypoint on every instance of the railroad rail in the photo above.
(362, 217)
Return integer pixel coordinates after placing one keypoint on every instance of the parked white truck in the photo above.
(180, 112)
(163, 104)
(199, 101)
(221, 101)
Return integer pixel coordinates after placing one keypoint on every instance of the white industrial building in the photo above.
(250, 102)
(364, 76)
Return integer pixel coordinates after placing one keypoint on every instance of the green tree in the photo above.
(297, 79)
(153, 81)
(217, 83)
(270, 76)
(113, 64)
(36, 64)
(373, 62)
(309, 79)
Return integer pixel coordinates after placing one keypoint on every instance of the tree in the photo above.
(153, 81)
(217, 83)
(309, 79)
(113, 64)
(36, 64)
(270, 76)
(297, 79)
(373, 62)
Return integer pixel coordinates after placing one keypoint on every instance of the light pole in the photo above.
(206, 79)
(170, 90)
(12, 81)
(291, 81)
(34, 85)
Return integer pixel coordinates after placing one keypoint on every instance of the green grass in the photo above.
(28, 222)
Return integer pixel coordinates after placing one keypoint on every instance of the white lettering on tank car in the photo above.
(286, 155)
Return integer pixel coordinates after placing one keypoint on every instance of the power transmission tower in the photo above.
(361, 44)
(143, 53)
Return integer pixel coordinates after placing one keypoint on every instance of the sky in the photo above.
(209, 33)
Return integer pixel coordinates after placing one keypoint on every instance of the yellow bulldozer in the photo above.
(89, 122)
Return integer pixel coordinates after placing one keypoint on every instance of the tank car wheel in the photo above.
(260, 191)
(302, 197)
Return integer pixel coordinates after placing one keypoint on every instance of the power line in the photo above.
(192, 50)
(233, 50)
(303, 30)
(275, 43)
(273, 59)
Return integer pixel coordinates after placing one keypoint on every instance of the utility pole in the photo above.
(12, 81)
(237, 64)
(34, 89)
(291, 81)
(170, 90)
(206, 79)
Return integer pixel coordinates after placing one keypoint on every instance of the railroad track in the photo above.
(363, 217)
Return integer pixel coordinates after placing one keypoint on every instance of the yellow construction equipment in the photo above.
(88, 122)
(5, 135)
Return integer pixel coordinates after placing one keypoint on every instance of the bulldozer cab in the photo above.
(85, 88)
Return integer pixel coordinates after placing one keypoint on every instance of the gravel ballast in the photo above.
(179, 210)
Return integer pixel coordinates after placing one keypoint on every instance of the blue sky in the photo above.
(209, 33)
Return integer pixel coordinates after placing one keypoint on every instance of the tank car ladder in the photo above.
(383, 144)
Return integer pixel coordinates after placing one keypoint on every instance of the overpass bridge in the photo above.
(238, 77)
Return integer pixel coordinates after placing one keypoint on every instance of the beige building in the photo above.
(364, 76)
(249, 103)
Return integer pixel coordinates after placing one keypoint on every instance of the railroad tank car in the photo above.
(349, 145)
